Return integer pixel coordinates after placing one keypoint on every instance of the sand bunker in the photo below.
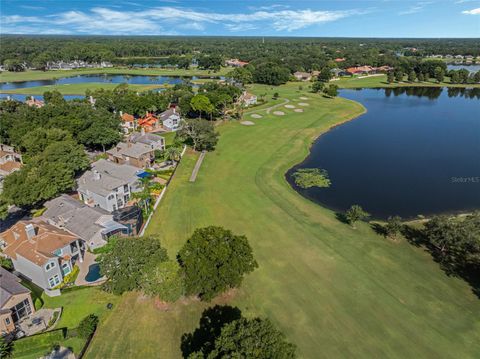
(247, 123)
(303, 98)
(303, 104)
(256, 115)
(298, 110)
(289, 106)
(278, 113)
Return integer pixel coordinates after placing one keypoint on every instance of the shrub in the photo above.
(311, 177)
(87, 326)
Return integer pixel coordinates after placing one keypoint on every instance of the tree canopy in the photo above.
(213, 260)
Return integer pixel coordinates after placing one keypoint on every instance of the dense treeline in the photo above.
(295, 53)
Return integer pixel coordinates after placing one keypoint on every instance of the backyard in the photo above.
(333, 290)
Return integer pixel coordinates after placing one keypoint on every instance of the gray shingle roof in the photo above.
(77, 217)
(134, 150)
(9, 286)
(111, 176)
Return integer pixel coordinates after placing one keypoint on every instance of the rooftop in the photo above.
(9, 286)
(130, 149)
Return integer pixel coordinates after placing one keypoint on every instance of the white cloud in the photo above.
(157, 20)
(472, 12)
(418, 7)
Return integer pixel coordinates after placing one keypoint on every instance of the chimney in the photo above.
(30, 231)
(96, 175)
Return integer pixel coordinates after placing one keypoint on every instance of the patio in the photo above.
(36, 322)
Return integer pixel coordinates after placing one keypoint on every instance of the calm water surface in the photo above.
(416, 151)
(105, 78)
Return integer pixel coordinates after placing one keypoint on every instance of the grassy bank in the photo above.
(8, 76)
(335, 291)
(76, 89)
(381, 81)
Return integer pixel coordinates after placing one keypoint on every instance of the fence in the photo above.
(157, 202)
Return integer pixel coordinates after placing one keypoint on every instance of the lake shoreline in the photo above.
(406, 218)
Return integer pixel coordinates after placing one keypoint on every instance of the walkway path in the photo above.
(193, 177)
(278, 105)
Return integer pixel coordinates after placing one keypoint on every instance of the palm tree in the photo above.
(172, 154)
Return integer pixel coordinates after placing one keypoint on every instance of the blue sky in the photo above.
(379, 18)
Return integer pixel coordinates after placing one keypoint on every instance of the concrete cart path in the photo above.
(193, 177)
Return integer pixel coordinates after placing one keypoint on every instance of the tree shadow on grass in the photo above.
(211, 323)
(341, 217)
(378, 229)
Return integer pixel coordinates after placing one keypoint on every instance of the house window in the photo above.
(73, 246)
(114, 207)
(126, 198)
(125, 188)
(65, 268)
(7, 321)
(50, 265)
(54, 281)
(110, 197)
(58, 252)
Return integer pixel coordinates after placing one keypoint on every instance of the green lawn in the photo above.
(76, 304)
(7, 76)
(336, 292)
(76, 89)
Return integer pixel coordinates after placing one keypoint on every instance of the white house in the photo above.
(248, 99)
(171, 119)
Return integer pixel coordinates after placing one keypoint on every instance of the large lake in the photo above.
(415, 152)
(102, 78)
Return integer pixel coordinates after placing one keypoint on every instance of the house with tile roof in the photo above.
(10, 161)
(41, 252)
(149, 122)
(92, 224)
(302, 76)
(33, 102)
(108, 185)
(15, 301)
(127, 122)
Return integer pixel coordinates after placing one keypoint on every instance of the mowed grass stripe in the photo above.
(334, 291)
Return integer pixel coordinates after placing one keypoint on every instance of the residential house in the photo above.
(10, 161)
(33, 102)
(171, 119)
(92, 224)
(339, 59)
(149, 122)
(383, 69)
(248, 99)
(128, 122)
(108, 185)
(154, 141)
(41, 252)
(236, 63)
(360, 70)
(136, 154)
(15, 301)
(302, 76)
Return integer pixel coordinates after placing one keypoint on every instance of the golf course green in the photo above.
(335, 291)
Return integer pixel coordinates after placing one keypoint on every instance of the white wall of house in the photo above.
(172, 123)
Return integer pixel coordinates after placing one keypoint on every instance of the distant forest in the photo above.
(295, 53)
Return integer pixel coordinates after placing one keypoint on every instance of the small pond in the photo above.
(93, 273)
(415, 152)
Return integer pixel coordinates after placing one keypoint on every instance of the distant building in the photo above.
(15, 301)
(149, 122)
(302, 76)
(236, 63)
(360, 70)
(108, 185)
(33, 102)
(171, 119)
(41, 252)
(10, 161)
(248, 99)
(128, 122)
(339, 59)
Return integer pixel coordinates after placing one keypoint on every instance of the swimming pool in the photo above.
(93, 273)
